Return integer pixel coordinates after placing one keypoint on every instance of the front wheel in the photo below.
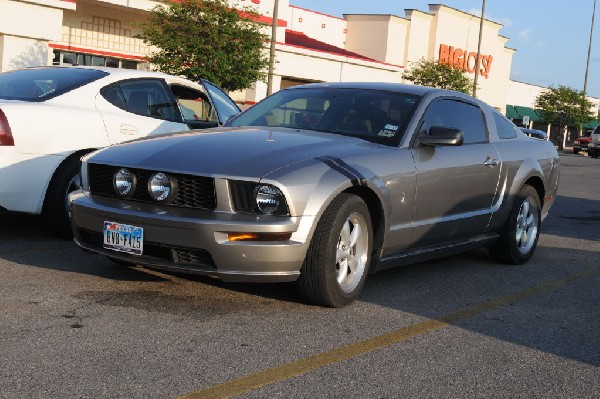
(337, 262)
(519, 236)
(593, 154)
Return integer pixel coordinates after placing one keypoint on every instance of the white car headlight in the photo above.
(160, 186)
(124, 182)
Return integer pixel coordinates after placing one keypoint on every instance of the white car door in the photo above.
(138, 107)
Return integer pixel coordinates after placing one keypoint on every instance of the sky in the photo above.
(551, 36)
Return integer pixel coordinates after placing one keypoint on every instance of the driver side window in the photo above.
(458, 115)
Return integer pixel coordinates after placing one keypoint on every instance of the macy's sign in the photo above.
(465, 60)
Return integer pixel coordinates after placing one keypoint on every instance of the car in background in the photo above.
(321, 184)
(51, 116)
(581, 143)
(594, 144)
(535, 133)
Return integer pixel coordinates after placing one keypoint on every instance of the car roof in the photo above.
(399, 87)
(120, 72)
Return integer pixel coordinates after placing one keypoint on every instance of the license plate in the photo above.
(123, 238)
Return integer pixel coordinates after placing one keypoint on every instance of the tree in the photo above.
(564, 106)
(207, 39)
(432, 73)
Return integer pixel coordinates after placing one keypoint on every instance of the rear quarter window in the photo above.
(505, 128)
(41, 84)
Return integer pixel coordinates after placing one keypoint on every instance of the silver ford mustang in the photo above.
(321, 184)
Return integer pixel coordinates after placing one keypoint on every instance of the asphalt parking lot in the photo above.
(75, 325)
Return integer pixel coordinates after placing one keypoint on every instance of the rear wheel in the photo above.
(55, 212)
(593, 154)
(337, 262)
(519, 236)
(575, 151)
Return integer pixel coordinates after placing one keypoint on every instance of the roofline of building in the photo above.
(378, 15)
(467, 13)
(316, 12)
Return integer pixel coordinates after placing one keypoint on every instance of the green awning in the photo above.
(511, 112)
(526, 111)
(591, 125)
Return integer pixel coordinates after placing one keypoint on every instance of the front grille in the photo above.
(196, 192)
(199, 257)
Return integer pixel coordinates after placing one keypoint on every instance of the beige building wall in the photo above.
(381, 37)
(420, 34)
(314, 66)
(26, 44)
(104, 28)
(443, 34)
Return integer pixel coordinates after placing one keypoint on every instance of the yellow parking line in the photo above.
(303, 366)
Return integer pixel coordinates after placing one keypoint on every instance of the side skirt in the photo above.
(428, 253)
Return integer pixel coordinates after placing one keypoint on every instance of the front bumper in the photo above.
(193, 241)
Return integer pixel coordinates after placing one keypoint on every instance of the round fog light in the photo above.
(159, 186)
(123, 182)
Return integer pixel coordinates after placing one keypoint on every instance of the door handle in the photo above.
(128, 129)
(491, 163)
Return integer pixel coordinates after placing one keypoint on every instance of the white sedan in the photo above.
(51, 116)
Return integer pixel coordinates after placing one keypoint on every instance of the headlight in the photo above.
(124, 182)
(251, 197)
(269, 199)
(159, 186)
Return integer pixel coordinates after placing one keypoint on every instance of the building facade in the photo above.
(310, 46)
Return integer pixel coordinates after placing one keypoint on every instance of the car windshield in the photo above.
(41, 84)
(374, 115)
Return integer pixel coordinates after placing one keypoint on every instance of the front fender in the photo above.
(312, 185)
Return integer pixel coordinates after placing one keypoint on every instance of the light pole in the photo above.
(272, 48)
(587, 65)
(479, 49)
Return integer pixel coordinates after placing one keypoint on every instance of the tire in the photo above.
(520, 234)
(55, 213)
(593, 154)
(334, 273)
(575, 151)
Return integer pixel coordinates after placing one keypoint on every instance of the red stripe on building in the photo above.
(96, 52)
(70, 1)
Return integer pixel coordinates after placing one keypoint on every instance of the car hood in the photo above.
(229, 152)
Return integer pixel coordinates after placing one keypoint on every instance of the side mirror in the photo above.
(442, 136)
